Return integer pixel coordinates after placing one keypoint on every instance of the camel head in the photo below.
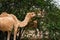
(31, 14)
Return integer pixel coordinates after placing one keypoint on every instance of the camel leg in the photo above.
(8, 37)
(15, 32)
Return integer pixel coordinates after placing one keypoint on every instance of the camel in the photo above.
(10, 21)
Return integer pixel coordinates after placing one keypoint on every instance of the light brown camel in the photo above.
(10, 21)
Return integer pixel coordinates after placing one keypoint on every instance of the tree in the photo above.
(49, 23)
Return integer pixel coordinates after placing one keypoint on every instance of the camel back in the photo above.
(5, 14)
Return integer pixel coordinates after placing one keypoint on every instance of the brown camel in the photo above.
(10, 21)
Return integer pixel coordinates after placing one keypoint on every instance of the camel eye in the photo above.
(32, 14)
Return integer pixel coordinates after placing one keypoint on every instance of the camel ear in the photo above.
(29, 16)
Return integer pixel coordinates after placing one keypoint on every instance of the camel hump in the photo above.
(4, 14)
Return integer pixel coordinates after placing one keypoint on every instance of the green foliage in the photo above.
(51, 20)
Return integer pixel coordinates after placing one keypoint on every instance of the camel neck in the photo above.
(24, 22)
